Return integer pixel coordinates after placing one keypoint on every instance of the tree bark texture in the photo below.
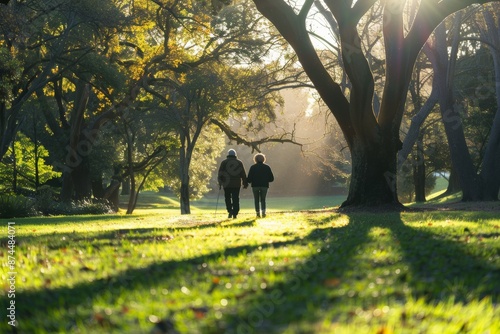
(372, 140)
(373, 179)
(490, 168)
(76, 177)
(185, 161)
(453, 183)
(474, 187)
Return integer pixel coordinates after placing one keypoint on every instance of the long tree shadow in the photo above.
(39, 305)
(56, 240)
(337, 279)
(437, 269)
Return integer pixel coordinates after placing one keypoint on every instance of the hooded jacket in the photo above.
(232, 173)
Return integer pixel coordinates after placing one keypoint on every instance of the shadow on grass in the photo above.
(39, 305)
(115, 237)
(437, 270)
(76, 219)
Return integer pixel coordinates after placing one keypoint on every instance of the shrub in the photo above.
(45, 200)
(47, 204)
(16, 206)
(84, 207)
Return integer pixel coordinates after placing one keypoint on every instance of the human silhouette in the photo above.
(231, 176)
(259, 175)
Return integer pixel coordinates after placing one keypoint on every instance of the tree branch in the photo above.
(286, 21)
(254, 144)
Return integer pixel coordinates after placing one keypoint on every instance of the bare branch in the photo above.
(254, 144)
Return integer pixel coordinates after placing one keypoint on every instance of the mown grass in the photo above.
(215, 204)
(292, 272)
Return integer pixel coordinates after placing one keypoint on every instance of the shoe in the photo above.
(258, 215)
(235, 216)
(264, 215)
(230, 215)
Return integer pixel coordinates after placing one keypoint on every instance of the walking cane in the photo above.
(217, 203)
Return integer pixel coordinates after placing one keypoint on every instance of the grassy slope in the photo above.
(293, 272)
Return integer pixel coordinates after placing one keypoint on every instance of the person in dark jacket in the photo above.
(259, 175)
(231, 176)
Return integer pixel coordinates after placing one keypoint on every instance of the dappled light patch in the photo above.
(309, 272)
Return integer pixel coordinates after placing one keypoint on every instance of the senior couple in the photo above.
(232, 175)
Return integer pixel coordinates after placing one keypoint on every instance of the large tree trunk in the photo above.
(460, 157)
(444, 69)
(373, 164)
(81, 181)
(76, 179)
(490, 175)
(453, 183)
(373, 178)
(67, 187)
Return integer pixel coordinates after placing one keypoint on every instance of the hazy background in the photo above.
(311, 169)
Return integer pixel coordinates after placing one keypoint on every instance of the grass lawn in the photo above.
(292, 272)
(210, 204)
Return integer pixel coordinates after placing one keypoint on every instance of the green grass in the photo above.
(292, 272)
(274, 204)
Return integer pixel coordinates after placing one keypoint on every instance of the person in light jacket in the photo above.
(231, 176)
(259, 175)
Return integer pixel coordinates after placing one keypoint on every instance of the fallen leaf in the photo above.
(199, 312)
(332, 282)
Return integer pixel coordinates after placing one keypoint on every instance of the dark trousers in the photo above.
(232, 198)
(259, 196)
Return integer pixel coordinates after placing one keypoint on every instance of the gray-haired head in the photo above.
(259, 157)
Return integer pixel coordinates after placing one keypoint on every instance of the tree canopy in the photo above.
(373, 137)
(142, 94)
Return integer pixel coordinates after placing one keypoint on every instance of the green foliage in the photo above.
(24, 159)
(84, 207)
(45, 200)
(406, 186)
(10, 72)
(16, 206)
(475, 85)
(46, 203)
(107, 76)
(202, 167)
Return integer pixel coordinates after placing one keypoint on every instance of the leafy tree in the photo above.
(147, 140)
(201, 72)
(465, 89)
(64, 48)
(24, 167)
(373, 139)
(448, 65)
